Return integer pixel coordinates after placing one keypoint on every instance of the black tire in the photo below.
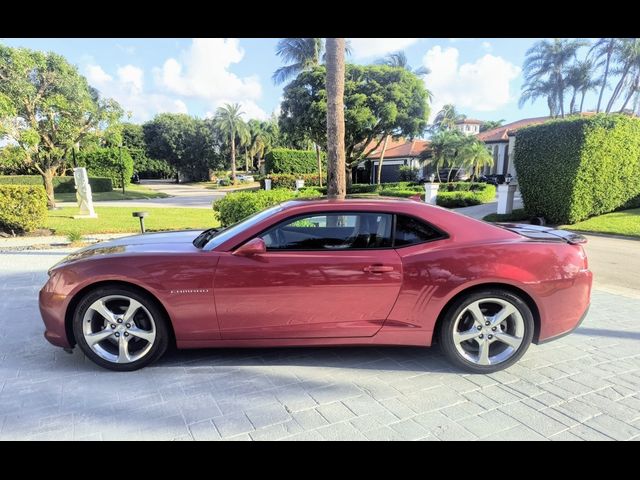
(159, 345)
(448, 345)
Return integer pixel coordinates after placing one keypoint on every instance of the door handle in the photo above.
(378, 269)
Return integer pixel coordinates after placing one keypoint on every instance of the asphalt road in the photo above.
(615, 263)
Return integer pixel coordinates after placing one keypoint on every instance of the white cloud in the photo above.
(482, 85)
(370, 47)
(128, 90)
(202, 72)
(132, 77)
(487, 46)
(97, 76)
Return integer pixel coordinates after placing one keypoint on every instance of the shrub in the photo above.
(106, 162)
(22, 207)
(284, 160)
(60, 184)
(235, 206)
(408, 174)
(285, 180)
(362, 188)
(464, 194)
(569, 170)
(150, 167)
(398, 192)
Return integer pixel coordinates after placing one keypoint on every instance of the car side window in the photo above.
(332, 231)
(410, 231)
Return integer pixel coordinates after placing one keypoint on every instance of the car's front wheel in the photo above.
(120, 328)
(487, 331)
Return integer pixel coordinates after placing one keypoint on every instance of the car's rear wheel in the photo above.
(120, 328)
(487, 331)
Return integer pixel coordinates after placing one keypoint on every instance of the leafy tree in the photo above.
(228, 120)
(335, 89)
(133, 136)
(545, 70)
(491, 124)
(133, 140)
(378, 101)
(183, 141)
(46, 107)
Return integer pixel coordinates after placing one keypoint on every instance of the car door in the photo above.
(328, 274)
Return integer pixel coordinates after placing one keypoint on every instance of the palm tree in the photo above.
(580, 78)
(228, 120)
(336, 164)
(444, 149)
(603, 51)
(540, 89)
(300, 54)
(476, 156)
(491, 124)
(446, 118)
(627, 55)
(399, 59)
(546, 63)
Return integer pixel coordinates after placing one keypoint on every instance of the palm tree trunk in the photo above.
(616, 91)
(582, 100)
(632, 90)
(336, 164)
(572, 103)
(233, 158)
(606, 74)
(384, 149)
(319, 159)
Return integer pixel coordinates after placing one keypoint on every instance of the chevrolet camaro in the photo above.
(323, 272)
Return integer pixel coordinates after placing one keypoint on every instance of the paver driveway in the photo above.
(584, 386)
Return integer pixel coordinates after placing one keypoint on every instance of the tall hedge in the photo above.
(22, 207)
(108, 162)
(285, 160)
(60, 184)
(570, 170)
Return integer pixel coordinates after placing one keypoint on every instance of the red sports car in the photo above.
(322, 272)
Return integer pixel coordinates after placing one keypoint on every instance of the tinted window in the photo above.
(333, 231)
(410, 230)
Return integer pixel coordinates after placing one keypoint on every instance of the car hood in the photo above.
(165, 242)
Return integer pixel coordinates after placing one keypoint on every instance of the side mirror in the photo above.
(255, 246)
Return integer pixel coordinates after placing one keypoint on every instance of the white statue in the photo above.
(83, 194)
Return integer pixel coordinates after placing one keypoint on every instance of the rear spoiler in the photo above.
(537, 232)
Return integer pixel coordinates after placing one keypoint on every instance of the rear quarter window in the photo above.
(411, 231)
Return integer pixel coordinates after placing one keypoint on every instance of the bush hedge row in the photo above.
(109, 163)
(60, 184)
(464, 194)
(572, 169)
(286, 180)
(285, 160)
(235, 206)
(22, 207)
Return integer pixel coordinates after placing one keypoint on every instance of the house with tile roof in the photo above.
(469, 126)
(399, 152)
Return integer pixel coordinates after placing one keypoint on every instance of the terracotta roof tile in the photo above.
(398, 148)
(501, 134)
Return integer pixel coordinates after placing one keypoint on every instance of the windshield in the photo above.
(229, 232)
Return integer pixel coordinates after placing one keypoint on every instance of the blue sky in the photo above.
(481, 76)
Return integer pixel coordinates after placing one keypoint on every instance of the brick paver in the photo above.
(584, 386)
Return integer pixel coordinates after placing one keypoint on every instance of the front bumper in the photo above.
(52, 309)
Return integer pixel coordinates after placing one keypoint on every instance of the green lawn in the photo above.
(132, 192)
(119, 220)
(625, 222)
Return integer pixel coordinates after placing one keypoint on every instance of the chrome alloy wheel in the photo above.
(119, 329)
(488, 331)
